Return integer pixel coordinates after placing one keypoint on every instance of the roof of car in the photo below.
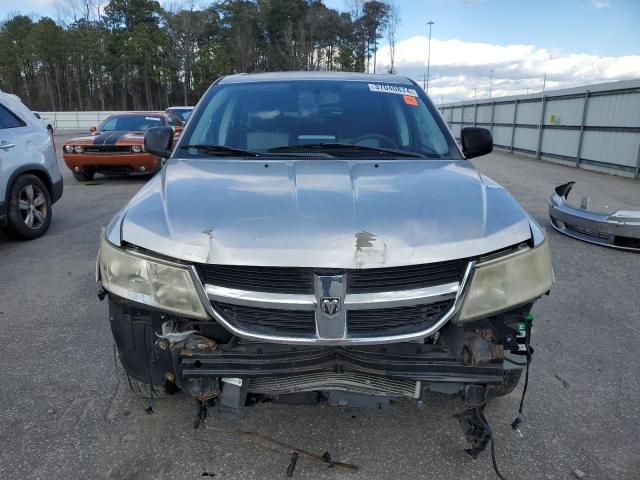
(314, 75)
(159, 114)
(13, 103)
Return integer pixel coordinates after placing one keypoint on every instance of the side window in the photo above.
(109, 124)
(8, 119)
(173, 121)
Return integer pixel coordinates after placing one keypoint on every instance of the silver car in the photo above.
(30, 181)
(322, 237)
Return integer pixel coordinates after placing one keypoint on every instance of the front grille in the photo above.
(269, 321)
(300, 280)
(107, 149)
(396, 321)
(259, 279)
(588, 231)
(296, 323)
(404, 278)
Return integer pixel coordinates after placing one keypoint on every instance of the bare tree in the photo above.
(393, 21)
(71, 11)
(186, 26)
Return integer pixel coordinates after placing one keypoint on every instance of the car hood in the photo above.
(321, 213)
(108, 138)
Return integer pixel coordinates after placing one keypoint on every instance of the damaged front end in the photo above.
(202, 359)
(620, 229)
(230, 335)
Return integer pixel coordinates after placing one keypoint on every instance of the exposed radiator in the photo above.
(346, 381)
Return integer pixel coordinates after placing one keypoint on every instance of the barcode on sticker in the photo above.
(381, 87)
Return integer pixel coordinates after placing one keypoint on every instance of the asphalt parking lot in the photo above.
(63, 413)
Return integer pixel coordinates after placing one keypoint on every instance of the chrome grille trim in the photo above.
(249, 298)
(353, 301)
(401, 298)
(348, 340)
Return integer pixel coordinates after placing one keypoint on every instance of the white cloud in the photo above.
(601, 3)
(458, 67)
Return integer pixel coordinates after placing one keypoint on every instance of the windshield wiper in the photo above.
(335, 147)
(222, 150)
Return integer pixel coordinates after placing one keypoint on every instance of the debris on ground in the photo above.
(292, 466)
(324, 458)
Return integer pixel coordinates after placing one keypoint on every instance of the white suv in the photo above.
(30, 181)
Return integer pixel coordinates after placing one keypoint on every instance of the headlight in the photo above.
(136, 148)
(506, 282)
(145, 280)
(78, 149)
(68, 148)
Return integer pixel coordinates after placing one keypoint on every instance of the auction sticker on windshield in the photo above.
(409, 100)
(381, 87)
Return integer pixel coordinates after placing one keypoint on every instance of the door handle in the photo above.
(6, 146)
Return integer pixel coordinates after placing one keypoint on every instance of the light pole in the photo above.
(430, 23)
(491, 83)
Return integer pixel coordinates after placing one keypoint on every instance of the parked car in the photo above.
(30, 181)
(182, 113)
(45, 121)
(116, 146)
(321, 237)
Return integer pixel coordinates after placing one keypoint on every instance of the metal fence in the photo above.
(595, 127)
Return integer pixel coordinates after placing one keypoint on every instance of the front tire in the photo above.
(29, 208)
(509, 384)
(137, 388)
(85, 175)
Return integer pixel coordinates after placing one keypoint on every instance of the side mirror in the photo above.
(177, 129)
(476, 141)
(92, 129)
(159, 141)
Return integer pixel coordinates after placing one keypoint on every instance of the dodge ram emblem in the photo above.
(330, 305)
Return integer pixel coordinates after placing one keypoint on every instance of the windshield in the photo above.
(293, 116)
(181, 113)
(135, 123)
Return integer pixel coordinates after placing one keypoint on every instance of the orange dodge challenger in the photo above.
(116, 146)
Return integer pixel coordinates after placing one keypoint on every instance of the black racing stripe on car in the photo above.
(108, 138)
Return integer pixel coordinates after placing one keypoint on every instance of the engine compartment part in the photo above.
(620, 229)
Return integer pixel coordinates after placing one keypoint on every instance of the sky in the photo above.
(506, 46)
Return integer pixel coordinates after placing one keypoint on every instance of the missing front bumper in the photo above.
(427, 363)
(195, 357)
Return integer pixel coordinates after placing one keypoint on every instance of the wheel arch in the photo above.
(30, 169)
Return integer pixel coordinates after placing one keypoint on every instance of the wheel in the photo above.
(138, 388)
(85, 175)
(29, 208)
(509, 384)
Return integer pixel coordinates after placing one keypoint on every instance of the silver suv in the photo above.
(30, 181)
(322, 237)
